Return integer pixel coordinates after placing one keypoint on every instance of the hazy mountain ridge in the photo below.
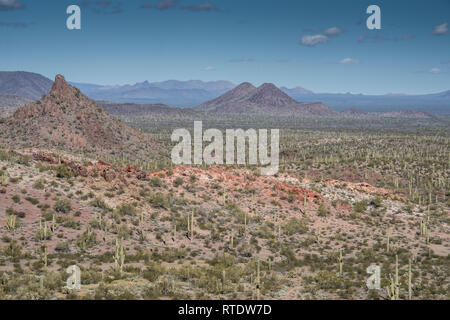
(171, 92)
(32, 86)
(26, 85)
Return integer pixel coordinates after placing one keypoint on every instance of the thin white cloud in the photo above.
(333, 31)
(15, 24)
(209, 68)
(441, 29)
(206, 7)
(241, 60)
(10, 5)
(313, 40)
(435, 70)
(327, 34)
(160, 5)
(349, 61)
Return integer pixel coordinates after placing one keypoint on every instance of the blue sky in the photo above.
(237, 40)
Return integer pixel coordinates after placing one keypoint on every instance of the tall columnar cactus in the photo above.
(41, 282)
(53, 226)
(341, 262)
(192, 224)
(5, 180)
(44, 231)
(409, 280)
(232, 240)
(119, 256)
(393, 289)
(318, 240)
(279, 232)
(258, 281)
(224, 278)
(387, 243)
(425, 229)
(44, 257)
(189, 224)
(245, 221)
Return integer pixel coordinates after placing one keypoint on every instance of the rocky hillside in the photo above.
(154, 110)
(66, 119)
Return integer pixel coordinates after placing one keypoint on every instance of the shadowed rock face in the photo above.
(67, 119)
(266, 99)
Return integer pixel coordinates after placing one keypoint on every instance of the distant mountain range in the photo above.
(26, 85)
(248, 101)
(171, 92)
(432, 103)
(31, 86)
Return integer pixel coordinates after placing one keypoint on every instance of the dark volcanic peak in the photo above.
(266, 99)
(66, 119)
(239, 93)
(269, 95)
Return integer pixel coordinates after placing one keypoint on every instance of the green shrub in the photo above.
(62, 206)
(178, 182)
(126, 209)
(360, 206)
(323, 210)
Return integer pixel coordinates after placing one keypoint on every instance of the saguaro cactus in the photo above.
(119, 256)
(232, 240)
(5, 180)
(409, 280)
(245, 221)
(44, 257)
(394, 287)
(44, 231)
(53, 226)
(192, 224)
(258, 281)
(341, 262)
(318, 240)
(387, 243)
